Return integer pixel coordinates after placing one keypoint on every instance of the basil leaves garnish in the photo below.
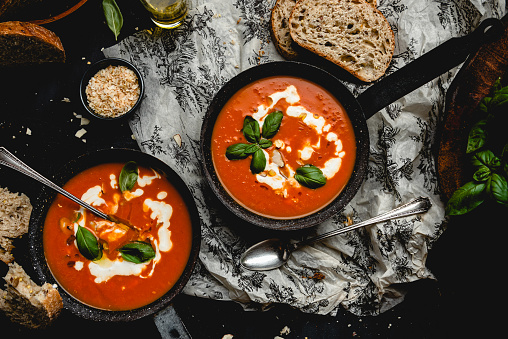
(258, 141)
(271, 124)
(488, 146)
(137, 252)
(258, 162)
(113, 16)
(310, 176)
(88, 245)
(128, 176)
(251, 130)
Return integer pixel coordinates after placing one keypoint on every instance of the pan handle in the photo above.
(427, 67)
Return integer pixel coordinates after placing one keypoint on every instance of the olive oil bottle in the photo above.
(167, 13)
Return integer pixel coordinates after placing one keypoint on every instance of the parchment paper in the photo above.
(363, 270)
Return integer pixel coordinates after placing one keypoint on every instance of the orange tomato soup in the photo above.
(315, 130)
(112, 283)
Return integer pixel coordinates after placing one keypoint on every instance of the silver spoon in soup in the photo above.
(9, 160)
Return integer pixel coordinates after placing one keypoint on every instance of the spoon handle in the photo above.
(9, 160)
(415, 206)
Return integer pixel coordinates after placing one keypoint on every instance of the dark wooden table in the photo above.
(38, 108)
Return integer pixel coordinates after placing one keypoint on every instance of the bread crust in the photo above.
(279, 29)
(27, 43)
(15, 211)
(26, 303)
(350, 33)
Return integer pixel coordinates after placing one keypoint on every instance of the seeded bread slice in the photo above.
(26, 43)
(351, 33)
(279, 28)
(26, 303)
(15, 210)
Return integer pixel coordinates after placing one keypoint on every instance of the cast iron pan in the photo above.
(376, 97)
(47, 196)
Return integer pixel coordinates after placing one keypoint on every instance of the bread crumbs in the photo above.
(113, 91)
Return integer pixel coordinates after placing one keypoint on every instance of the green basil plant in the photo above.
(488, 146)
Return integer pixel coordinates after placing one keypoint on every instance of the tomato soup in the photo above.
(138, 260)
(314, 135)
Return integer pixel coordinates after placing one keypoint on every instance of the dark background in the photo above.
(467, 299)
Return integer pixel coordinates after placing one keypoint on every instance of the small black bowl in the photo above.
(101, 64)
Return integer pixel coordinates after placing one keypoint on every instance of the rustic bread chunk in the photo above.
(279, 28)
(27, 43)
(351, 33)
(26, 303)
(15, 210)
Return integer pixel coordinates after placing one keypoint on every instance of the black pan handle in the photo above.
(427, 67)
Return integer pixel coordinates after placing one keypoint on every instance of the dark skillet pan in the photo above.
(47, 196)
(376, 97)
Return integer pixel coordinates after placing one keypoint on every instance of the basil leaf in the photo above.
(88, 245)
(486, 158)
(252, 148)
(500, 99)
(271, 124)
(310, 176)
(263, 143)
(237, 151)
(113, 16)
(258, 162)
(498, 188)
(477, 136)
(485, 104)
(482, 174)
(128, 176)
(137, 252)
(251, 129)
(466, 198)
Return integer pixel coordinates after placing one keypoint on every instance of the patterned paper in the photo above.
(363, 271)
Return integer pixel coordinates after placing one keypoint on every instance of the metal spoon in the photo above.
(9, 160)
(273, 253)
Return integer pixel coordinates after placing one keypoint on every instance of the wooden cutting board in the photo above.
(473, 82)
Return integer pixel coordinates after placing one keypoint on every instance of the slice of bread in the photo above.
(26, 303)
(15, 210)
(24, 43)
(279, 29)
(351, 33)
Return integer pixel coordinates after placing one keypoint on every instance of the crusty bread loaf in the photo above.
(15, 210)
(26, 43)
(26, 303)
(279, 28)
(351, 33)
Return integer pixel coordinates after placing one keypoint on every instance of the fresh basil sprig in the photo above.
(310, 176)
(488, 146)
(271, 124)
(137, 252)
(251, 130)
(128, 176)
(88, 245)
(258, 141)
(113, 15)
